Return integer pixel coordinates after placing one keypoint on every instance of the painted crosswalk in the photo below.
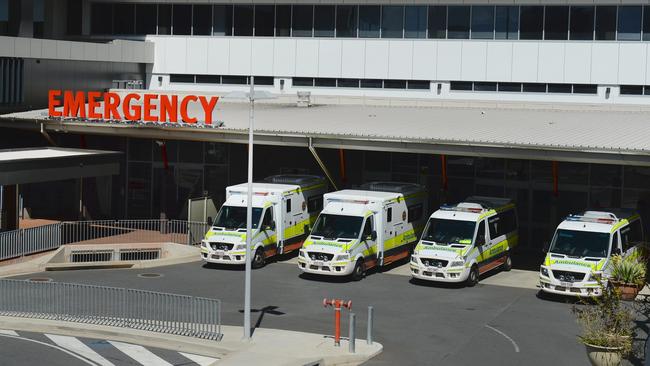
(110, 353)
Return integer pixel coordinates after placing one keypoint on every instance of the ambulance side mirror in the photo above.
(272, 225)
(373, 235)
(616, 251)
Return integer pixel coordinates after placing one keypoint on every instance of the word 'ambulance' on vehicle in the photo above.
(284, 207)
(462, 241)
(577, 260)
(360, 229)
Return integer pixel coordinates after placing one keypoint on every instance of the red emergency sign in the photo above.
(133, 107)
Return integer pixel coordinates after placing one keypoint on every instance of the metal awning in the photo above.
(46, 164)
(562, 132)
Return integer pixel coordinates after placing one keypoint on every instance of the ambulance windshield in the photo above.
(337, 226)
(444, 231)
(580, 243)
(233, 218)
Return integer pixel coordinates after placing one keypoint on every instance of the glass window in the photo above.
(182, 19)
(629, 23)
(324, 20)
(480, 234)
(234, 217)
(264, 80)
(328, 82)
(646, 23)
(582, 23)
(38, 13)
(348, 83)
(145, 19)
(235, 80)
(283, 20)
(372, 83)
(419, 84)
(4, 17)
(556, 21)
(181, 78)
(208, 79)
(531, 22)
(367, 228)
(606, 23)
(74, 15)
(289, 205)
(395, 84)
(580, 243)
(415, 21)
(509, 87)
(458, 22)
(346, 21)
(202, 20)
(559, 88)
(646, 90)
(534, 88)
(337, 226)
(264, 16)
(369, 16)
(631, 89)
(585, 89)
(303, 82)
(164, 19)
(392, 22)
(438, 22)
(445, 232)
(243, 20)
(222, 24)
(389, 214)
(303, 21)
(460, 85)
(101, 15)
(485, 86)
(506, 22)
(482, 22)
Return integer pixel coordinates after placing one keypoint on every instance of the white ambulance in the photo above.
(465, 240)
(577, 260)
(360, 229)
(284, 207)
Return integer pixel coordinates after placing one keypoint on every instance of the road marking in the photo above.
(514, 344)
(140, 354)
(201, 360)
(9, 332)
(75, 345)
(52, 346)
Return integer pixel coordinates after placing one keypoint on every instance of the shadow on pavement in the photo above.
(271, 309)
(423, 283)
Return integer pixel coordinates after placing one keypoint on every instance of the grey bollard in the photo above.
(351, 334)
(369, 331)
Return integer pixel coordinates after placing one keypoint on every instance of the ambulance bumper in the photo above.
(328, 268)
(451, 275)
(223, 257)
(578, 289)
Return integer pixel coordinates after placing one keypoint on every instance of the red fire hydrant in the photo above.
(337, 304)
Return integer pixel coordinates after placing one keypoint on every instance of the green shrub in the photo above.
(629, 270)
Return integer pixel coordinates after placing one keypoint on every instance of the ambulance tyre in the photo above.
(258, 258)
(472, 279)
(358, 271)
(507, 265)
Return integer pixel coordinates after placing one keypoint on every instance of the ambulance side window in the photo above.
(480, 234)
(389, 214)
(631, 235)
(615, 241)
(289, 205)
(367, 229)
(268, 218)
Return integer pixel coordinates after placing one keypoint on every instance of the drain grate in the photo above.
(150, 275)
(91, 256)
(139, 254)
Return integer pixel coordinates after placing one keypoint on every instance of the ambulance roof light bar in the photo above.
(363, 202)
(595, 217)
(458, 208)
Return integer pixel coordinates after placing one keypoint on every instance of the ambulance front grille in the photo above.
(319, 256)
(430, 262)
(222, 246)
(568, 276)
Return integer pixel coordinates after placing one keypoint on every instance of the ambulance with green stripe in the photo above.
(578, 257)
(462, 241)
(284, 207)
(363, 228)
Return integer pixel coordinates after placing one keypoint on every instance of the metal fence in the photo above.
(118, 307)
(38, 239)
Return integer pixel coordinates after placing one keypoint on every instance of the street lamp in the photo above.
(251, 96)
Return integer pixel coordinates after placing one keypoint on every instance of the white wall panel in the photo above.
(284, 57)
(449, 60)
(175, 55)
(307, 57)
(63, 49)
(577, 61)
(329, 58)
(376, 59)
(400, 59)
(604, 63)
(551, 62)
(424, 60)
(474, 59)
(353, 58)
(263, 56)
(632, 63)
(240, 56)
(524, 61)
(218, 56)
(197, 55)
(499, 61)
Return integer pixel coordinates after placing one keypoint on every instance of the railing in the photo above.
(118, 307)
(39, 239)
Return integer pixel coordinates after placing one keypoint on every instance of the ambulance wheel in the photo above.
(472, 279)
(507, 265)
(358, 271)
(258, 258)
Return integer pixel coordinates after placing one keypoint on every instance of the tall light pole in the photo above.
(251, 96)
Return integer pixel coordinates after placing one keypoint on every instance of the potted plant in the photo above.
(606, 328)
(628, 275)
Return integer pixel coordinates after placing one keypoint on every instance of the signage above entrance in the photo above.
(130, 107)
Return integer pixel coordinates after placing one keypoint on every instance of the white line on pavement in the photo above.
(75, 345)
(9, 332)
(140, 354)
(201, 360)
(514, 344)
(52, 346)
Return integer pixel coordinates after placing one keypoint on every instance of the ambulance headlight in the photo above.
(457, 263)
(302, 253)
(413, 259)
(543, 271)
(240, 247)
(343, 257)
